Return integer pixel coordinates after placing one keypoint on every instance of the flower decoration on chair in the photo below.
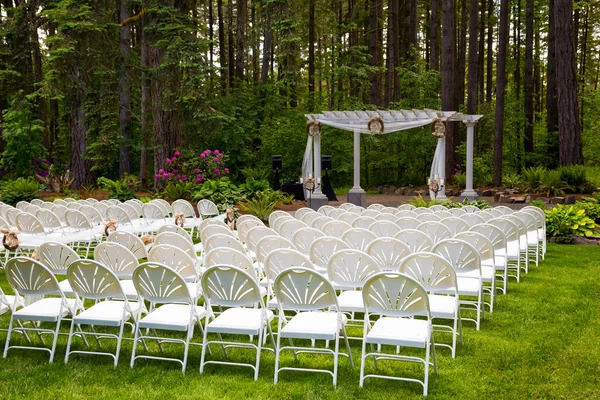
(438, 128)
(376, 125)
(179, 219)
(10, 241)
(110, 226)
(313, 127)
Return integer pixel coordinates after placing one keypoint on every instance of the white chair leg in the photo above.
(69, 341)
(10, 329)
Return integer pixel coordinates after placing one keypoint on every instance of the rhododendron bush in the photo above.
(193, 168)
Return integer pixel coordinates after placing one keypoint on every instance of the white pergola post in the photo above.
(357, 195)
(317, 199)
(469, 192)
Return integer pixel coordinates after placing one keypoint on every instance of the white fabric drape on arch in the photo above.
(389, 127)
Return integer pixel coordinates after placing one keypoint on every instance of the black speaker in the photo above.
(277, 163)
(326, 163)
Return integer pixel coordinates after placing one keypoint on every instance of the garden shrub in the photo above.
(121, 189)
(532, 178)
(179, 190)
(253, 186)
(539, 204)
(575, 177)
(188, 167)
(591, 207)
(563, 222)
(552, 184)
(419, 201)
(220, 191)
(20, 189)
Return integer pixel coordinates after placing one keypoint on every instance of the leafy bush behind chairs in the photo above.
(564, 222)
(121, 189)
(179, 190)
(254, 186)
(552, 184)
(220, 191)
(21, 189)
(575, 177)
(591, 206)
(264, 203)
(532, 178)
(481, 204)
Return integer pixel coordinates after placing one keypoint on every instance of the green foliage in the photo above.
(566, 221)
(460, 180)
(17, 190)
(253, 186)
(552, 184)
(145, 199)
(575, 177)
(220, 191)
(22, 135)
(179, 190)
(533, 177)
(261, 206)
(591, 206)
(419, 201)
(120, 189)
(512, 180)
(539, 204)
(481, 204)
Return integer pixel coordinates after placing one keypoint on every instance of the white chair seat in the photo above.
(512, 250)
(106, 313)
(351, 301)
(45, 310)
(131, 293)
(468, 286)
(487, 273)
(532, 238)
(442, 306)
(191, 221)
(243, 321)
(499, 265)
(319, 325)
(174, 317)
(400, 332)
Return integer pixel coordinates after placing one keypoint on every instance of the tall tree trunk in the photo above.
(392, 52)
(480, 60)
(473, 57)
(413, 29)
(434, 63)
(211, 37)
(311, 56)
(145, 112)
(528, 88)
(264, 73)
(447, 69)
(517, 42)
(222, 51)
(242, 15)
(584, 46)
(462, 56)
(566, 84)
(78, 132)
(551, 104)
(38, 71)
(375, 10)
(500, 92)
(230, 44)
(124, 91)
(537, 76)
(490, 53)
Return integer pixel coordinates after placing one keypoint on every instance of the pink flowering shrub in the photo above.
(191, 168)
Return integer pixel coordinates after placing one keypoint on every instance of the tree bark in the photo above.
(473, 57)
(434, 63)
(392, 52)
(490, 53)
(242, 16)
(480, 60)
(79, 170)
(462, 57)
(124, 91)
(375, 10)
(551, 104)
(145, 133)
(570, 150)
(500, 92)
(447, 69)
(264, 73)
(311, 56)
(230, 44)
(528, 88)
(222, 50)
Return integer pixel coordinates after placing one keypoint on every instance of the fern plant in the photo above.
(532, 178)
(419, 201)
(20, 189)
(552, 184)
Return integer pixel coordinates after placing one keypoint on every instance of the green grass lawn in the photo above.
(542, 341)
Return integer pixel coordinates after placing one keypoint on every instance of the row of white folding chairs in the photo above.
(180, 312)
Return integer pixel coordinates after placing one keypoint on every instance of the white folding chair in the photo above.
(346, 206)
(349, 217)
(207, 208)
(375, 206)
(94, 281)
(304, 237)
(358, 238)
(406, 207)
(473, 219)
(302, 212)
(397, 299)
(321, 250)
(456, 225)
(28, 277)
(363, 222)
(408, 223)
(311, 295)
(498, 240)
(466, 261)
(325, 209)
(132, 242)
(370, 213)
(173, 308)
(276, 215)
(388, 252)
(336, 213)
(57, 257)
(416, 241)
(244, 227)
(336, 228)
(438, 278)
(228, 286)
(289, 227)
(435, 230)
(385, 228)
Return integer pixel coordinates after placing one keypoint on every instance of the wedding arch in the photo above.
(385, 122)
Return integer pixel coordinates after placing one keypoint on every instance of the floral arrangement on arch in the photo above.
(210, 164)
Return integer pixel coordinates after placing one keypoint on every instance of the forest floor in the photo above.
(541, 341)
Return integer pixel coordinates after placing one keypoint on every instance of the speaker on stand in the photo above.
(326, 165)
(276, 165)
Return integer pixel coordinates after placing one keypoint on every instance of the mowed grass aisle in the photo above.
(542, 341)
